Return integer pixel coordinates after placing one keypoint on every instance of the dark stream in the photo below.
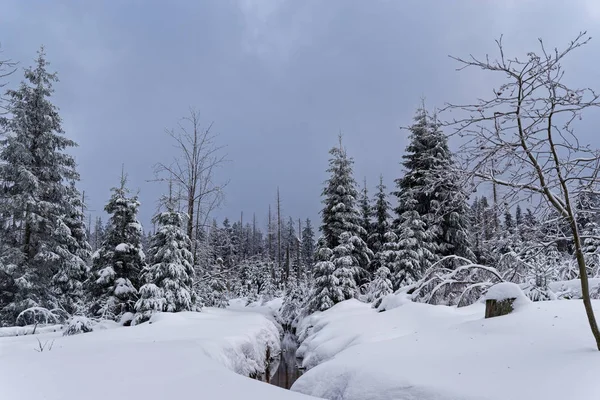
(285, 371)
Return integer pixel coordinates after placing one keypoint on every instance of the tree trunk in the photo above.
(190, 211)
(278, 230)
(585, 287)
(495, 308)
(27, 237)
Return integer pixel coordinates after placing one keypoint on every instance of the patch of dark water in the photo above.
(287, 369)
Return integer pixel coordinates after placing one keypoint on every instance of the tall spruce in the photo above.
(41, 240)
(118, 263)
(415, 224)
(432, 203)
(339, 213)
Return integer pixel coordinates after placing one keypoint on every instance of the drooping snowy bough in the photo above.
(459, 286)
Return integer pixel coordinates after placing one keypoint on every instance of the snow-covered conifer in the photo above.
(366, 212)
(381, 225)
(170, 266)
(326, 291)
(339, 213)
(294, 300)
(416, 247)
(216, 289)
(118, 263)
(36, 171)
(431, 191)
(380, 286)
(346, 267)
(308, 245)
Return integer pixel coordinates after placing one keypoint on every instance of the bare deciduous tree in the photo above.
(7, 67)
(522, 139)
(193, 170)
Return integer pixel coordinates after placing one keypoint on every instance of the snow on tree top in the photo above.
(122, 247)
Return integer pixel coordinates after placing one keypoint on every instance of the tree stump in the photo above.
(495, 308)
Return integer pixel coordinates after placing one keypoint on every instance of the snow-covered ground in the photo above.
(415, 351)
(179, 356)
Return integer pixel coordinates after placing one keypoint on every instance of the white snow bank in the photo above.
(426, 352)
(184, 355)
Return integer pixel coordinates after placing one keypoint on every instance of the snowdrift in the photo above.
(183, 355)
(542, 350)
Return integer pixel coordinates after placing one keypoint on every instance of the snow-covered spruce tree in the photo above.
(381, 213)
(294, 300)
(339, 213)
(346, 267)
(380, 286)
(417, 247)
(118, 263)
(36, 206)
(308, 245)
(366, 213)
(432, 188)
(326, 291)
(170, 267)
(216, 290)
(73, 270)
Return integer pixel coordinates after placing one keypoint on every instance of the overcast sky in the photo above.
(279, 79)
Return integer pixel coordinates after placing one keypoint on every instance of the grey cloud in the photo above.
(279, 78)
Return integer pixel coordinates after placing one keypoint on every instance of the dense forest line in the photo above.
(514, 209)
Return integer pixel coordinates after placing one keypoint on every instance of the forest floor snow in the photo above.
(185, 355)
(543, 350)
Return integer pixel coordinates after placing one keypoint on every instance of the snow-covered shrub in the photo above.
(77, 325)
(252, 297)
(379, 287)
(460, 286)
(152, 300)
(543, 270)
(37, 315)
(216, 293)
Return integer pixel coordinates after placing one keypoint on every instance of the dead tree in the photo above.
(193, 171)
(7, 67)
(522, 139)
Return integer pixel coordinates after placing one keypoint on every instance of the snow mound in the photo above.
(427, 352)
